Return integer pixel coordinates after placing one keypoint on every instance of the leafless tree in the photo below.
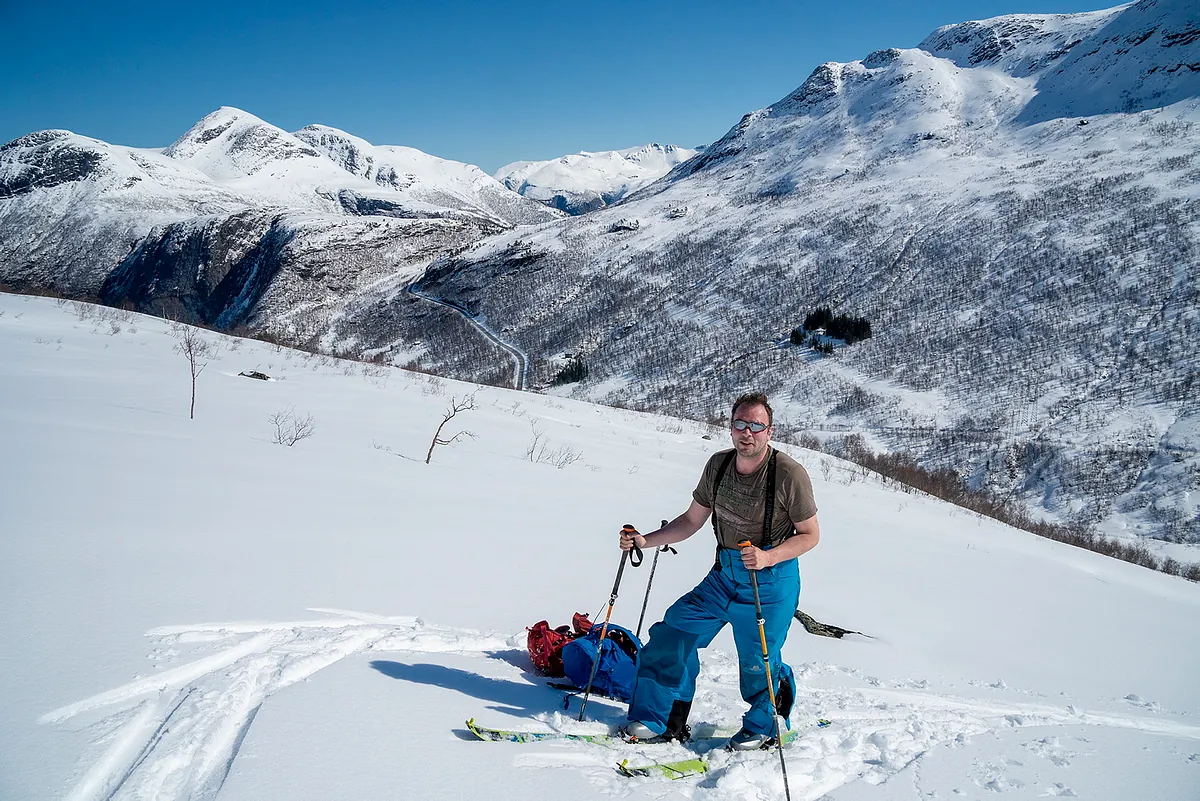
(197, 350)
(290, 429)
(456, 406)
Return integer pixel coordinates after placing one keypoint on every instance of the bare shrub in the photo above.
(456, 406)
(560, 457)
(540, 451)
(808, 441)
(290, 428)
(432, 385)
(827, 469)
(535, 443)
(671, 426)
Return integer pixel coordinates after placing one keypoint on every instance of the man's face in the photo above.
(748, 444)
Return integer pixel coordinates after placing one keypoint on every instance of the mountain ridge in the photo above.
(587, 181)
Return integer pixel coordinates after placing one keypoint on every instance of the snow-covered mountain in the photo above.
(1014, 205)
(72, 207)
(324, 169)
(238, 217)
(584, 182)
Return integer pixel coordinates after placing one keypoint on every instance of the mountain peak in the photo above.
(231, 143)
(37, 138)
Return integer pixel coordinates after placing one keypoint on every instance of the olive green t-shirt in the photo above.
(742, 500)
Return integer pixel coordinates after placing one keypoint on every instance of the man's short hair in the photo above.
(754, 399)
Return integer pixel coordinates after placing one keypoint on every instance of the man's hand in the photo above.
(630, 537)
(755, 558)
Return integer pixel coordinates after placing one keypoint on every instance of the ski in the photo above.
(671, 770)
(505, 736)
(700, 735)
(685, 768)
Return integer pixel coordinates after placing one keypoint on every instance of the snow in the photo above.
(190, 609)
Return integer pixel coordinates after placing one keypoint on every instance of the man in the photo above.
(760, 495)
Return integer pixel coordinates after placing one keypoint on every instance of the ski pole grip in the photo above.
(748, 544)
(636, 557)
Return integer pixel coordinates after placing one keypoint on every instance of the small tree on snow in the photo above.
(456, 406)
(197, 350)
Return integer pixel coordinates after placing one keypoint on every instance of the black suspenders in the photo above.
(768, 512)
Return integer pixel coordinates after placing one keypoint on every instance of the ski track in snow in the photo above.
(176, 734)
(188, 722)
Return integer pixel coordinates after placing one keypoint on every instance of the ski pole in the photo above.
(762, 637)
(650, 583)
(612, 599)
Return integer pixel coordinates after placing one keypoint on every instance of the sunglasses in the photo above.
(742, 425)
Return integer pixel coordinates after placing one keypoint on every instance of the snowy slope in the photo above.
(1026, 252)
(215, 615)
(1144, 58)
(587, 181)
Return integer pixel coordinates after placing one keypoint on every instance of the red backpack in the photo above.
(546, 644)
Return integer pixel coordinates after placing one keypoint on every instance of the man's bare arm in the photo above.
(677, 530)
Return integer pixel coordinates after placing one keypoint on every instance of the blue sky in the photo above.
(481, 82)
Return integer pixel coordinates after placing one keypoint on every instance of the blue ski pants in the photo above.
(669, 663)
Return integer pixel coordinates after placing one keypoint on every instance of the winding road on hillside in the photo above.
(520, 359)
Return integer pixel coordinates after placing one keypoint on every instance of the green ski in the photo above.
(671, 770)
(503, 736)
(700, 735)
(695, 766)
